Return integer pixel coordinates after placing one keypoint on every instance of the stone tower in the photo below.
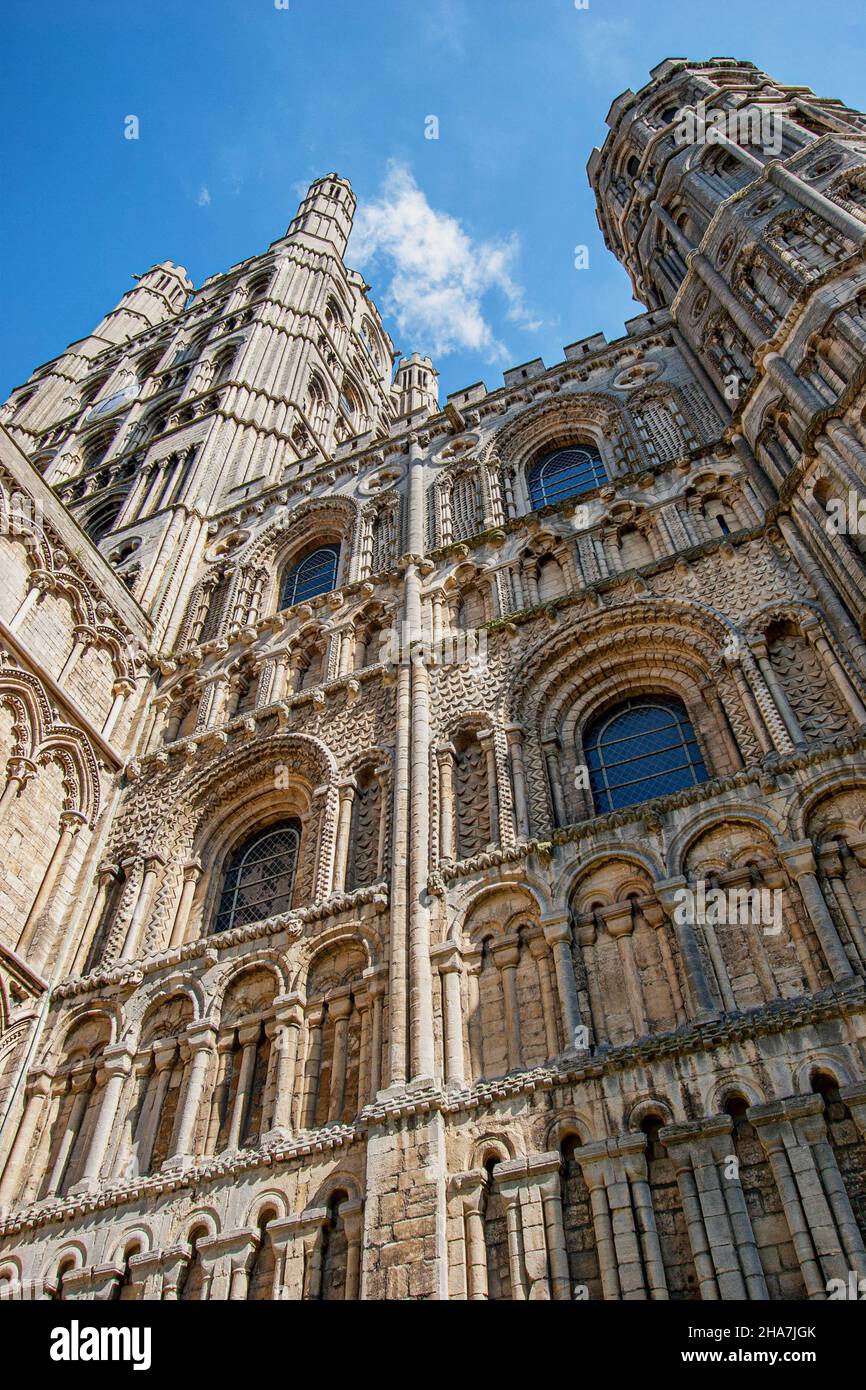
(434, 840)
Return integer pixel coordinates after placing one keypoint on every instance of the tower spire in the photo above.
(326, 213)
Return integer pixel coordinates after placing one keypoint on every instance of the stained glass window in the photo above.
(564, 473)
(641, 749)
(315, 574)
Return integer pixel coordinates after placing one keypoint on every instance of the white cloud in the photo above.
(439, 274)
(204, 199)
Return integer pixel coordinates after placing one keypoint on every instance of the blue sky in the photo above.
(468, 240)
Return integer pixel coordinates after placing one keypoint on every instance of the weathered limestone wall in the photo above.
(472, 1034)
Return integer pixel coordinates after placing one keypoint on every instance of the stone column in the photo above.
(248, 1037)
(383, 778)
(226, 1260)
(38, 1091)
(315, 1220)
(812, 630)
(593, 1166)
(156, 726)
(750, 705)
(720, 1232)
(117, 1064)
(448, 960)
(518, 779)
(814, 1232)
(344, 827)
(768, 707)
(398, 955)
(154, 1099)
(713, 702)
(833, 865)
(175, 1263)
(473, 960)
(703, 1006)
(289, 1019)
(506, 955)
(540, 1232)
(437, 598)
(351, 1215)
(619, 923)
(191, 875)
(557, 934)
(654, 915)
(811, 1130)
(106, 875)
(286, 1241)
(147, 1276)
(474, 1194)
(70, 824)
(510, 1195)
(323, 815)
(280, 677)
(38, 588)
(377, 982)
(78, 1096)
(551, 755)
(363, 1006)
(347, 651)
(201, 1040)
(780, 699)
(839, 218)
(445, 755)
(83, 638)
(626, 1232)
(799, 860)
(631, 1161)
(225, 1047)
(422, 1052)
(152, 864)
(541, 954)
(554, 1229)
(340, 1006)
(315, 1027)
(121, 691)
(18, 774)
(825, 591)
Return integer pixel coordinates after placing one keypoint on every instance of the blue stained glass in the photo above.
(315, 574)
(564, 473)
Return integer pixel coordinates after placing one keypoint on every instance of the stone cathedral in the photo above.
(372, 771)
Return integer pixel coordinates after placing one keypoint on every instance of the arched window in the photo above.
(260, 877)
(95, 449)
(102, 518)
(565, 473)
(315, 403)
(641, 749)
(315, 574)
(259, 285)
(334, 316)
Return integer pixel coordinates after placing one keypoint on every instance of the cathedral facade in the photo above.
(433, 840)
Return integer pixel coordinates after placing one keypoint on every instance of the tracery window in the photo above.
(641, 749)
(565, 473)
(315, 574)
(260, 877)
